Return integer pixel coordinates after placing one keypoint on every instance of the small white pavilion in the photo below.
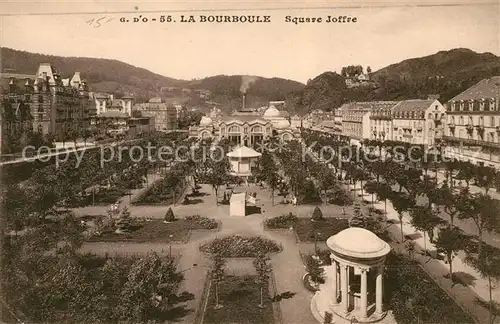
(353, 287)
(241, 159)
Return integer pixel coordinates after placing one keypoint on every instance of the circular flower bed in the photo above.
(202, 222)
(237, 246)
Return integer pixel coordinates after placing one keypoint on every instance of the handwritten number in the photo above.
(97, 23)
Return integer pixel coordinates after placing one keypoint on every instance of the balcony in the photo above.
(470, 142)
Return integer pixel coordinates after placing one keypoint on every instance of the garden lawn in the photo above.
(307, 229)
(153, 231)
(240, 297)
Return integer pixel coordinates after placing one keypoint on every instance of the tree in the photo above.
(124, 222)
(217, 174)
(314, 269)
(384, 192)
(450, 201)
(169, 216)
(261, 264)
(402, 203)
(424, 219)
(487, 262)
(483, 210)
(484, 177)
(218, 275)
(317, 214)
(450, 241)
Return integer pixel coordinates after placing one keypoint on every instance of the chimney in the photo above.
(244, 100)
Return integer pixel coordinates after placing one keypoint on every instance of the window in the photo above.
(452, 120)
(462, 105)
(492, 105)
(256, 129)
(481, 121)
(492, 121)
(481, 105)
(461, 133)
(430, 115)
(471, 105)
(471, 121)
(234, 129)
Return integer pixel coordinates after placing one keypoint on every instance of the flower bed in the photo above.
(200, 222)
(307, 231)
(239, 297)
(237, 246)
(283, 221)
(157, 230)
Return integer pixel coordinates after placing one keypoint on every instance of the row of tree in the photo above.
(401, 177)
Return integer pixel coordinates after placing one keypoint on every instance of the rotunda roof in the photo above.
(282, 124)
(205, 121)
(272, 112)
(358, 242)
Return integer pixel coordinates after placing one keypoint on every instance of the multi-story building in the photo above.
(165, 115)
(473, 126)
(418, 121)
(356, 119)
(58, 106)
(381, 121)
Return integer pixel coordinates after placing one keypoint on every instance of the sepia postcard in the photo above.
(256, 162)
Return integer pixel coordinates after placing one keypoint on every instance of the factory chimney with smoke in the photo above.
(243, 107)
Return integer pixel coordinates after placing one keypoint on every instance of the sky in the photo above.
(385, 33)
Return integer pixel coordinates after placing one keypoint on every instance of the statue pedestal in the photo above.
(237, 204)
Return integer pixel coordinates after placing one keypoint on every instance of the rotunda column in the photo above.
(334, 281)
(344, 287)
(379, 289)
(364, 292)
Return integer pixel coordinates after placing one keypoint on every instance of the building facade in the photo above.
(418, 121)
(472, 131)
(246, 127)
(381, 121)
(356, 119)
(165, 115)
(58, 106)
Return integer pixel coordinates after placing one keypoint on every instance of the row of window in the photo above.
(489, 136)
(237, 129)
(474, 105)
(473, 121)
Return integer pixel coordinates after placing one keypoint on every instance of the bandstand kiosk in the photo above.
(353, 286)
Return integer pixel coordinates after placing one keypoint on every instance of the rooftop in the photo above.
(359, 243)
(486, 88)
(417, 105)
(242, 152)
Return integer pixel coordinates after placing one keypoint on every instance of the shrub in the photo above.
(313, 267)
(309, 193)
(317, 214)
(283, 221)
(237, 246)
(169, 216)
(340, 197)
(202, 222)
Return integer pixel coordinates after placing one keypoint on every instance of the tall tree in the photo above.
(487, 262)
(450, 241)
(402, 203)
(263, 268)
(424, 219)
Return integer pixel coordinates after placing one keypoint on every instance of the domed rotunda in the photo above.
(353, 287)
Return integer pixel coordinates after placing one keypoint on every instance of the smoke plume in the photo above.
(246, 81)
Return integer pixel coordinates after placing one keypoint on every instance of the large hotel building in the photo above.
(473, 127)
